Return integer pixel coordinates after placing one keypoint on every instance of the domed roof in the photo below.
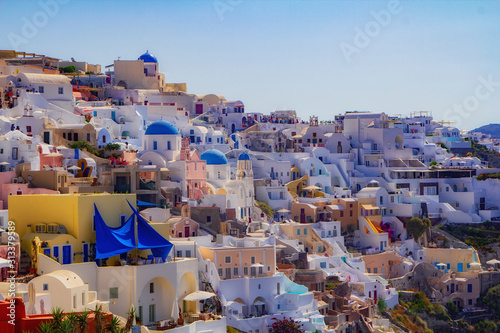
(162, 127)
(148, 57)
(243, 157)
(214, 157)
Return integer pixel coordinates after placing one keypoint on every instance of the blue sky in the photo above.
(428, 55)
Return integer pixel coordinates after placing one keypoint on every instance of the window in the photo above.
(305, 231)
(209, 218)
(155, 145)
(258, 287)
(123, 219)
(375, 270)
(260, 271)
(235, 271)
(350, 213)
(219, 271)
(93, 223)
(74, 301)
(45, 286)
(228, 260)
(268, 268)
(83, 298)
(188, 253)
(113, 292)
(470, 301)
(40, 89)
(245, 270)
(469, 288)
(168, 145)
(381, 200)
(60, 90)
(392, 198)
(252, 260)
(28, 129)
(368, 269)
(179, 254)
(151, 288)
(341, 213)
(298, 231)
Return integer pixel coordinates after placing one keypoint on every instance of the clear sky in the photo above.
(317, 57)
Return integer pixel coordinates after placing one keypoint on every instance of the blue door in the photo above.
(113, 114)
(86, 252)
(55, 251)
(460, 267)
(66, 252)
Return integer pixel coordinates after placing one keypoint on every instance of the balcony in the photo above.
(373, 152)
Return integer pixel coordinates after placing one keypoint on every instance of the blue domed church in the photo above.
(161, 144)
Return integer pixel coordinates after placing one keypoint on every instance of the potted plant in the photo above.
(138, 320)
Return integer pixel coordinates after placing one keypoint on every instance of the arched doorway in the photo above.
(259, 307)
(157, 300)
(187, 285)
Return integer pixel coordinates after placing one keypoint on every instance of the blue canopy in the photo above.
(113, 241)
(144, 203)
(149, 238)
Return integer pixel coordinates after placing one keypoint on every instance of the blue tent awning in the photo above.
(113, 241)
(144, 203)
(149, 238)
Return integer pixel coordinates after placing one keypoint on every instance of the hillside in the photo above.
(493, 129)
(483, 153)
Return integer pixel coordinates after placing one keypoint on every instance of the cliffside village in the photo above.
(121, 190)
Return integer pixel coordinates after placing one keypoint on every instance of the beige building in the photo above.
(387, 264)
(463, 289)
(242, 261)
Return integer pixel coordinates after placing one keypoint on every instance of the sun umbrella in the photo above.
(199, 296)
(175, 309)
(4, 263)
(312, 187)
(475, 264)
(493, 262)
(31, 298)
(283, 210)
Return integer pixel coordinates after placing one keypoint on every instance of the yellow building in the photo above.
(306, 236)
(455, 260)
(64, 224)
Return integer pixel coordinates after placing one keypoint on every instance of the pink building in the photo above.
(49, 157)
(183, 228)
(196, 171)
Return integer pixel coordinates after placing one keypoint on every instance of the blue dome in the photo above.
(214, 157)
(162, 127)
(148, 57)
(244, 157)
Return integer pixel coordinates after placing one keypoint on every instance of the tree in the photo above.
(491, 300)
(452, 309)
(382, 305)
(417, 226)
(486, 326)
(266, 208)
(286, 326)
